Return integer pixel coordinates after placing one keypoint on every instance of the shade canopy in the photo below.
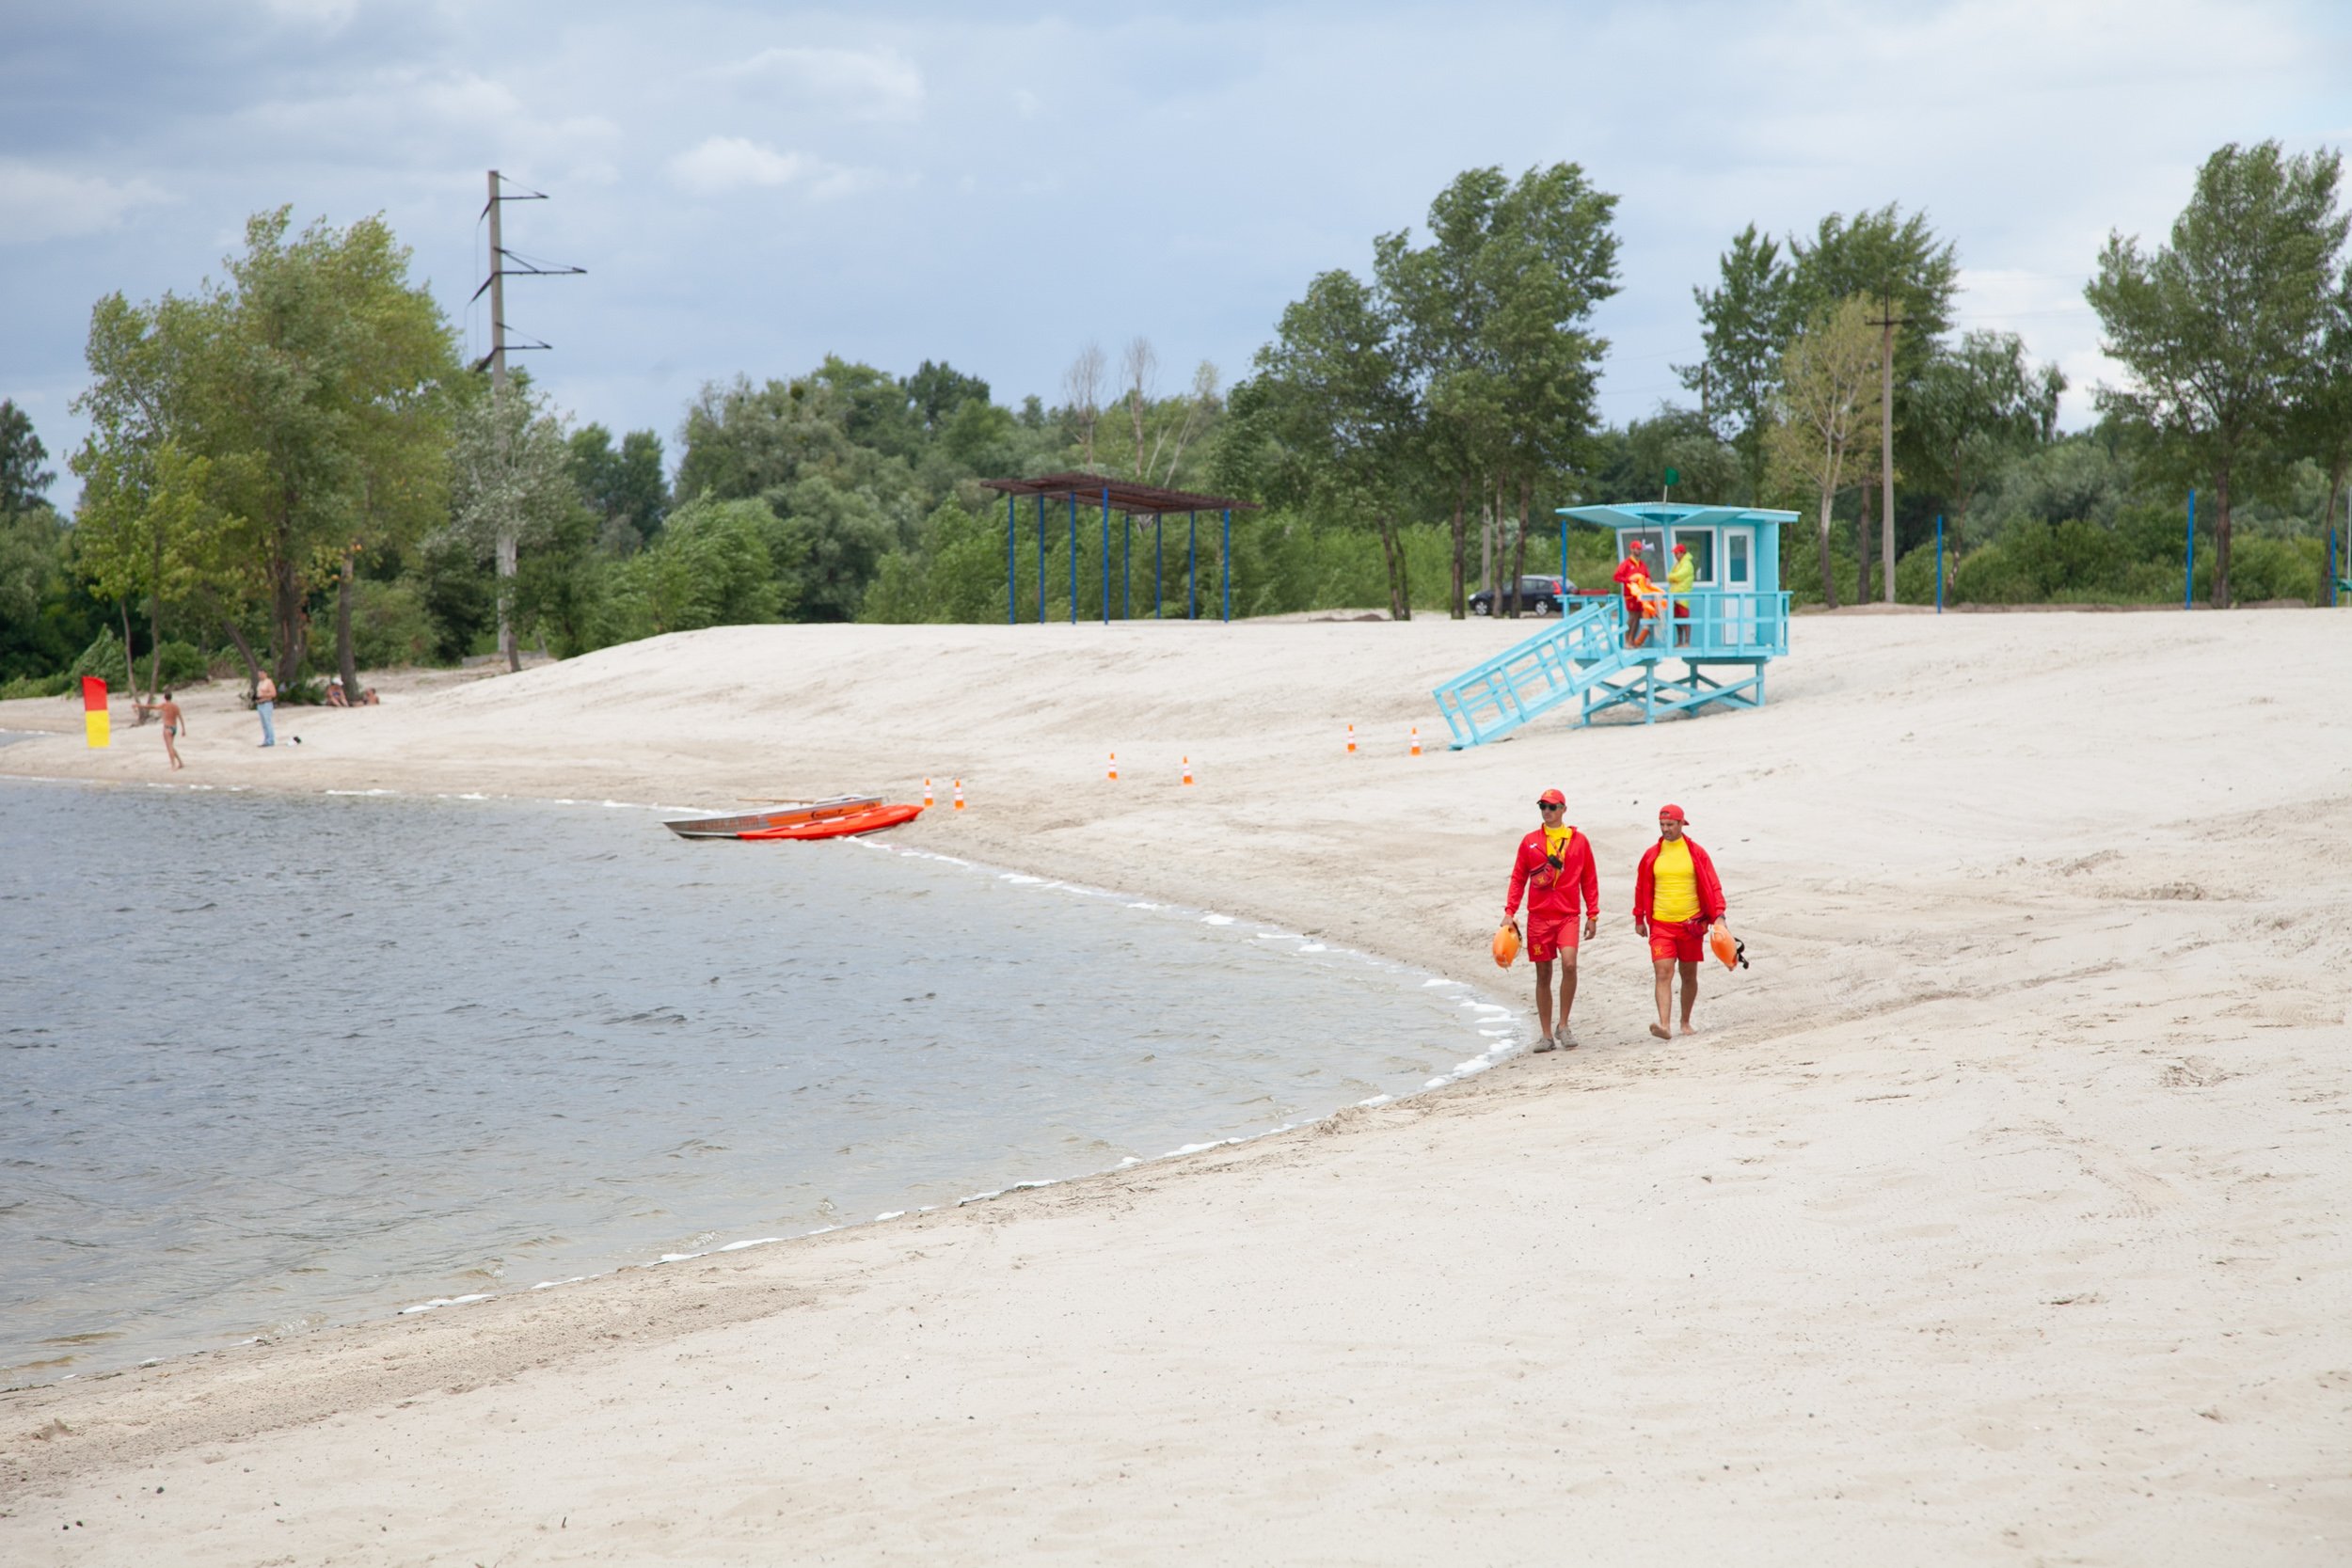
(1121, 495)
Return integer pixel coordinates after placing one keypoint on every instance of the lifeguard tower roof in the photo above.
(1673, 649)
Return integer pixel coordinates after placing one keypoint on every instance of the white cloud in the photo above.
(38, 203)
(724, 163)
(876, 84)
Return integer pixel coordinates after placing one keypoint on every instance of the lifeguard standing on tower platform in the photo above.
(1682, 577)
(1632, 574)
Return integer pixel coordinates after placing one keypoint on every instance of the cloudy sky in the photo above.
(753, 186)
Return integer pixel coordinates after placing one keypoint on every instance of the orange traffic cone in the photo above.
(959, 795)
(927, 793)
(1416, 741)
(1113, 774)
(1189, 770)
(1351, 740)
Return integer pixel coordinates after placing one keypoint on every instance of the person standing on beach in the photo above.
(1682, 577)
(1677, 896)
(265, 704)
(1632, 576)
(1554, 869)
(174, 723)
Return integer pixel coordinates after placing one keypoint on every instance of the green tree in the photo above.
(1745, 324)
(510, 488)
(1328, 422)
(1824, 411)
(2218, 328)
(1975, 405)
(23, 483)
(144, 529)
(1494, 336)
(2321, 417)
(623, 485)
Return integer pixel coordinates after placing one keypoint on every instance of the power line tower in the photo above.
(1886, 322)
(503, 262)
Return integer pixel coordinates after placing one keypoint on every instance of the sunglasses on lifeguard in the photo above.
(1545, 805)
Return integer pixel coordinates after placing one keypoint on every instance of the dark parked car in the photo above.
(1537, 596)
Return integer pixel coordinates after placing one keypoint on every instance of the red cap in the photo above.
(1552, 797)
(1675, 812)
(1682, 549)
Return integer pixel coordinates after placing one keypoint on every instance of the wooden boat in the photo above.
(864, 821)
(782, 816)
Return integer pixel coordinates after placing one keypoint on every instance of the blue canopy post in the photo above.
(1132, 502)
(1563, 560)
(1191, 567)
(1225, 565)
(1939, 563)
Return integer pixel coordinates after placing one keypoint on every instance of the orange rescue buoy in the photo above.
(1506, 944)
(1725, 946)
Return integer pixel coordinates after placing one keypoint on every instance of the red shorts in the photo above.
(1686, 942)
(1549, 933)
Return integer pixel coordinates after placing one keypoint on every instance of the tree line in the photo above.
(289, 468)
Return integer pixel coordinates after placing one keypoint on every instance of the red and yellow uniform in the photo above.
(1676, 891)
(1555, 870)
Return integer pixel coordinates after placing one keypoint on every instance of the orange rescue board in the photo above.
(841, 827)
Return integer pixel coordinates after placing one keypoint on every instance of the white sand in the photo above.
(1999, 1214)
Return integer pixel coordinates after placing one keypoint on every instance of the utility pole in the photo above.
(494, 285)
(1887, 324)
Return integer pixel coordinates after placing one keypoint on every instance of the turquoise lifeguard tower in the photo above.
(1733, 622)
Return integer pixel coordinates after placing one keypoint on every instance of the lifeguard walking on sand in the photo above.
(1554, 868)
(1677, 896)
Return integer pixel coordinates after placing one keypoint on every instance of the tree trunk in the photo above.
(1392, 552)
(507, 604)
(154, 627)
(2221, 538)
(1461, 499)
(345, 664)
(1862, 544)
(2335, 492)
(1486, 539)
(130, 671)
(245, 651)
(1519, 547)
(1829, 579)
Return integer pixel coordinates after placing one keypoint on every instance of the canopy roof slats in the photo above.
(1672, 515)
(1125, 495)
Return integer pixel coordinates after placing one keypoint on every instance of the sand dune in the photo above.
(1999, 1214)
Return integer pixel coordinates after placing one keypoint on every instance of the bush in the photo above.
(180, 663)
(36, 686)
(104, 659)
(390, 625)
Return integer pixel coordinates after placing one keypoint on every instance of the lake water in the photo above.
(268, 1062)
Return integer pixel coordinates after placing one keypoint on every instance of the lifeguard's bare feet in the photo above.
(1685, 1028)
(1659, 1030)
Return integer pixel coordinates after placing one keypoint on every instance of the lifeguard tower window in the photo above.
(1736, 559)
(1701, 543)
(1653, 550)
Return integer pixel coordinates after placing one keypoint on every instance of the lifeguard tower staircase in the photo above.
(1710, 647)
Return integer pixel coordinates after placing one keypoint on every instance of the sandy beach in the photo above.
(1997, 1213)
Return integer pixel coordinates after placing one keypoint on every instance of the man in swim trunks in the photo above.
(1677, 896)
(1554, 869)
(174, 723)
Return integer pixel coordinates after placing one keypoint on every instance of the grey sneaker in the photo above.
(1544, 1043)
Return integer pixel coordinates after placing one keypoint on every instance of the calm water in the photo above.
(270, 1062)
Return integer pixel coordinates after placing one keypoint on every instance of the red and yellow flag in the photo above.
(94, 719)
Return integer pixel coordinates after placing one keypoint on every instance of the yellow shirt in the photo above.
(1675, 896)
(1556, 841)
(1685, 575)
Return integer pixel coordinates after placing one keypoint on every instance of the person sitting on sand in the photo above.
(1554, 868)
(1676, 895)
(335, 695)
(174, 723)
